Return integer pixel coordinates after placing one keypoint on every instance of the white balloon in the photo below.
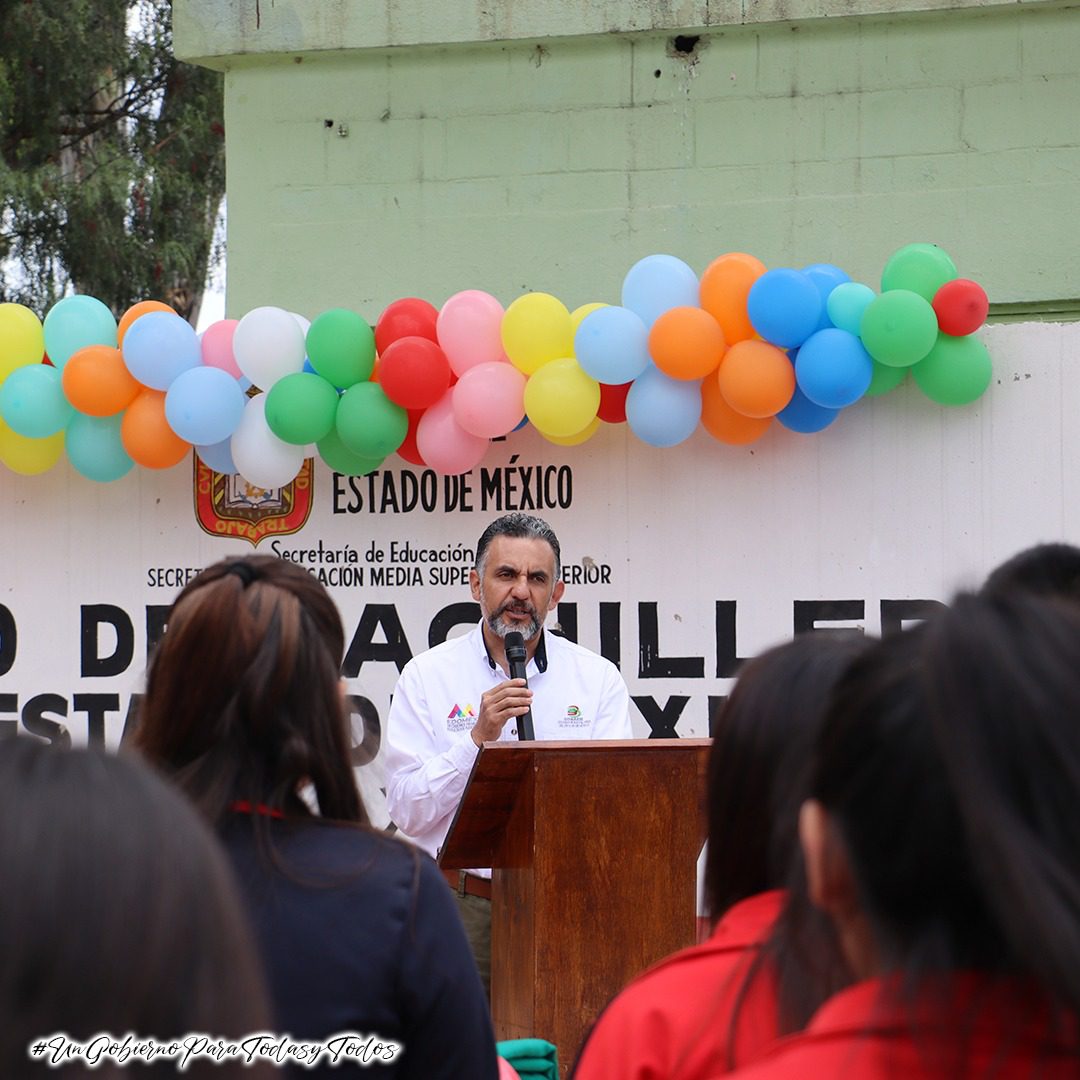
(260, 457)
(303, 322)
(268, 344)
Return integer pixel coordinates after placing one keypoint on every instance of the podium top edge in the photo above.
(588, 745)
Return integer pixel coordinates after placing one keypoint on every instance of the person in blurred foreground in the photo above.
(118, 914)
(709, 1007)
(359, 933)
(943, 842)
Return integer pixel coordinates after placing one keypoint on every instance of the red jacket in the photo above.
(967, 1028)
(674, 1020)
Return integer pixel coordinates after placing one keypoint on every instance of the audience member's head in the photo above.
(759, 761)
(1045, 569)
(118, 912)
(944, 832)
(244, 700)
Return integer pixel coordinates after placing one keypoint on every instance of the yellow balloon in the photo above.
(578, 439)
(560, 399)
(579, 313)
(29, 457)
(22, 341)
(536, 329)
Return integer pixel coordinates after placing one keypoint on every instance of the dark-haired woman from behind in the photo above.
(943, 842)
(118, 914)
(708, 1008)
(359, 932)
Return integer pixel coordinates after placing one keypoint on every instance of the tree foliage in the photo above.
(112, 156)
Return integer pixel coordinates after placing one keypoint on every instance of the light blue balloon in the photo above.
(802, 415)
(32, 401)
(657, 284)
(204, 405)
(612, 345)
(662, 411)
(784, 307)
(159, 346)
(846, 305)
(826, 277)
(95, 448)
(833, 369)
(75, 322)
(218, 457)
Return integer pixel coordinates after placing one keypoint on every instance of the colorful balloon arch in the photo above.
(734, 350)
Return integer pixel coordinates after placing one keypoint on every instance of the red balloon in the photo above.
(414, 372)
(405, 318)
(613, 402)
(961, 307)
(408, 449)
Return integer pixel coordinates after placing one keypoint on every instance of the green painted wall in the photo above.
(362, 174)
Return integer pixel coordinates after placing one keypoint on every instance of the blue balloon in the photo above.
(802, 415)
(784, 307)
(218, 457)
(32, 401)
(95, 448)
(826, 277)
(204, 405)
(612, 345)
(75, 322)
(307, 368)
(657, 284)
(158, 346)
(833, 369)
(846, 305)
(662, 411)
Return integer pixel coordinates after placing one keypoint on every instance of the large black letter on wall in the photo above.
(93, 615)
(9, 640)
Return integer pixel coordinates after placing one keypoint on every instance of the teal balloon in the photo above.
(884, 379)
(341, 347)
(95, 448)
(898, 328)
(956, 371)
(369, 423)
(342, 460)
(32, 402)
(75, 322)
(918, 268)
(846, 305)
(301, 408)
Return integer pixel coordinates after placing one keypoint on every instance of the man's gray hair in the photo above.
(519, 526)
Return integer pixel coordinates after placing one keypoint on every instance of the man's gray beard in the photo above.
(501, 628)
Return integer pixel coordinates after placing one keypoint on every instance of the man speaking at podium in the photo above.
(458, 695)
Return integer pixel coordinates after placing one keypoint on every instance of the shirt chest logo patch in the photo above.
(460, 718)
(573, 718)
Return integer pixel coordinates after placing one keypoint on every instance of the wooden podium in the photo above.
(593, 847)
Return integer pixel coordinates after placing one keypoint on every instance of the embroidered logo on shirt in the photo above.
(460, 718)
(573, 718)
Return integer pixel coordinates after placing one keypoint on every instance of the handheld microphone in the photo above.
(514, 644)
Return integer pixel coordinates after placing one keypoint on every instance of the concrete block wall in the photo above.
(359, 175)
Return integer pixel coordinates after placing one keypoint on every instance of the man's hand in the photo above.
(504, 702)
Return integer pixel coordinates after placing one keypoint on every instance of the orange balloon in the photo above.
(97, 382)
(724, 287)
(723, 423)
(756, 379)
(143, 307)
(146, 434)
(686, 343)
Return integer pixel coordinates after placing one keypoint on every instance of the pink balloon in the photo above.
(469, 329)
(217, 348)
(489, 399)
(445, 445)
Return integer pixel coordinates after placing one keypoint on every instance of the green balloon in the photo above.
(369, 423)
(342, 460)
(956, 371)
(300, 408)
(919, 268)
(884, 379)
(898, 328)
(341, 347)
